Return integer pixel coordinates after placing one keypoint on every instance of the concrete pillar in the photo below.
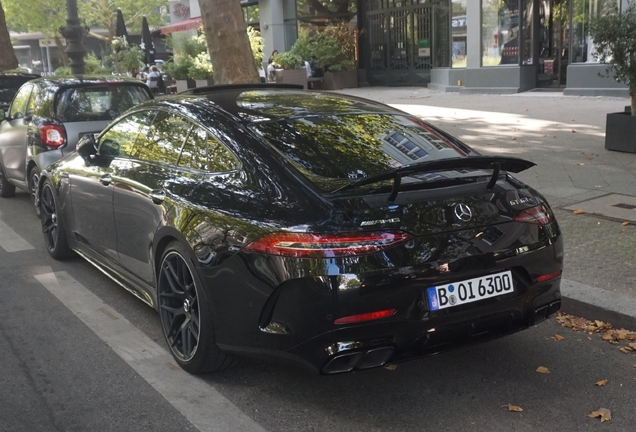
(473, 34)
(276, 34)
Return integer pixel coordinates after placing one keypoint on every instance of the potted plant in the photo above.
(614, 35)
(333, 51)
(290, 63)
(201, 70)
(180, 72)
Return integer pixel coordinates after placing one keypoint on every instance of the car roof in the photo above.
(259, 103)
(81, 80)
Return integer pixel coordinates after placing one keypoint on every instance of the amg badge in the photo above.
(379, 221)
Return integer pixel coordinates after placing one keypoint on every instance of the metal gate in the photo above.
(406, 39)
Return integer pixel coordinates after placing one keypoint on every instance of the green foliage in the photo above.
(614, 36)
(201, 67)
(94, 66)
(179, 70)
(45, 16)
(126, 56)
(62, 70)
(333, 48)
(288, 60)
(257, 44)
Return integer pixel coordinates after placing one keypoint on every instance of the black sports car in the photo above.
(330, 231)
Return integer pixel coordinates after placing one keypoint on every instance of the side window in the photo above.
(19, 104)
(164, 141)
(120, 139)
(204, 152)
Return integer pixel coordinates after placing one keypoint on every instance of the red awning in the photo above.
(189, 24)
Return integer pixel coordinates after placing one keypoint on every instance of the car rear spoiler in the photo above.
(495, 163)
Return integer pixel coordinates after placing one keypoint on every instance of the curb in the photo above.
(595, 303)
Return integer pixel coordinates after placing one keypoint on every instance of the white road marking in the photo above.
(200, 403)
(11, 241)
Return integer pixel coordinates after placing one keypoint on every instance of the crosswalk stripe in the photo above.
(11, 241)
(200, 403)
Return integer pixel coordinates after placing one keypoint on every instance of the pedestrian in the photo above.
(153, 79)
(271, 67)
(134, 73)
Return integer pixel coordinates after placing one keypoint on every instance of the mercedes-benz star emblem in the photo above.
(463, 212)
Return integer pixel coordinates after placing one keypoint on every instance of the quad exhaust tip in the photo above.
(347, 362)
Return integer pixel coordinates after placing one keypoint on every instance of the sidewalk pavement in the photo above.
(564, 136)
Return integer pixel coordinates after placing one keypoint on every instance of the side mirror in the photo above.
(87, 146)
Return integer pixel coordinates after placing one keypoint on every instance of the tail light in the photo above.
(548, 276)
(540, 215)
(52, 135)
(369, 316)
(303, 245)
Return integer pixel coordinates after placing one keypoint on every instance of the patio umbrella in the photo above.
(147, 46)
(120, 27)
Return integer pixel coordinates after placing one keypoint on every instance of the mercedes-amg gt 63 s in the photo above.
(324, 230)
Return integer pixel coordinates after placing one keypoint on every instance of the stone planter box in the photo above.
(339, 80)
(204, 83)
(620, 132)
(183, 85)
(292, 76)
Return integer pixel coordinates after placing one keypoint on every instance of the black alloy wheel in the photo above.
(52, 226)
(185, 315)
(7, 190)
(34, 179)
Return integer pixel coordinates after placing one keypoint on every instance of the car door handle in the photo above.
(157, 196)
(106, 179)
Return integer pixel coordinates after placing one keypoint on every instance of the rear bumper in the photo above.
(393, 340)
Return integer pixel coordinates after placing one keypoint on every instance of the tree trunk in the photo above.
(228, 44)
(632, 94)
(7, 56)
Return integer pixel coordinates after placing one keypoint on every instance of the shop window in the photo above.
(582, 43)
(458, 27)
(500, 32)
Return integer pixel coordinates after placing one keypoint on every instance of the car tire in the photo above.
(34, 179)
(52, 225)
(185, 315)
(7, 190)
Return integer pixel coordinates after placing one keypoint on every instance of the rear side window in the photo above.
(203, 151)
(97, 103)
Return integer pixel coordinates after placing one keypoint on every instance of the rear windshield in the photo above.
(95, 103)
(9, 87)
(334, 150)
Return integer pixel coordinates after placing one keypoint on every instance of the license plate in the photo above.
(468, 291)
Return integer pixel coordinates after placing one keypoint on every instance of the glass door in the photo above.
(553, 40)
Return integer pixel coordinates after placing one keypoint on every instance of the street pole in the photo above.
(74, 34)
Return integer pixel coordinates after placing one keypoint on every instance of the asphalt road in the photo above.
(65, 366)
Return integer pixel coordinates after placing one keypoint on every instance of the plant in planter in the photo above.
(290, 74)
(179, 70)
(333, 51)
(614, 35)
(201, 70)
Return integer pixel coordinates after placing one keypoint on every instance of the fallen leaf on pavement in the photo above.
(580, 164)
(601, 383)
(625, 223)
(573, 131)
(558, 337)
(512, 407)
(578, 212)
(632, 345)
(514, 138)
(603, 413)
(543, 370)
(391, 367)
(625, 350)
